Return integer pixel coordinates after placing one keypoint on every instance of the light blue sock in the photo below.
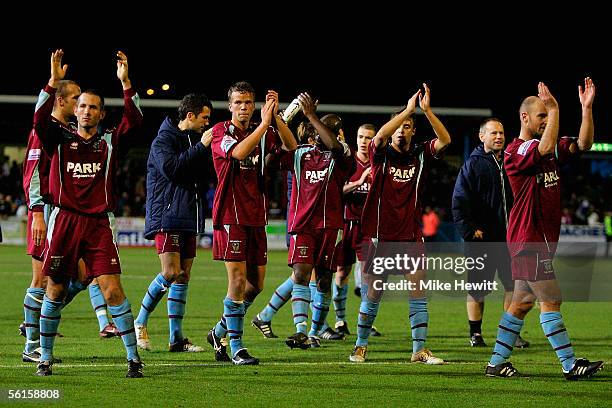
(221, 327)
(74, 288)
(555, 331)
(234, 317)
(320, 308)
(419, 318)
(509, 329)
(281, 295)
(340, 294)
(32, 303)
(124, 320)
(177, 299)
(367, 314)
(158, 287)
(300, 300)
(99, 305)
(50, 316)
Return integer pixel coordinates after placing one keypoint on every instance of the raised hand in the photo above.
(274, 96)
(122, 69)
(586, 94)
(425, 100)
(268, 110)
(544, 94)
(308, 106)
(58, 71)
(411, 105)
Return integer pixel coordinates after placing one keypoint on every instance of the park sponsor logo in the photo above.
(548, 178)
(314, 176)
(80, 170)
(250, 162)
(402, 175)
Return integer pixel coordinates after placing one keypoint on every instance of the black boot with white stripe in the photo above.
(502, 370)
(583, 368)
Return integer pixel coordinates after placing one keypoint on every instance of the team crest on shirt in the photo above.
(402, 175)
(302, 251)
(74, 145)
(307, 156)
(235, 247)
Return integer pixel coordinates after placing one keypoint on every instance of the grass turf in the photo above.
(93, 370)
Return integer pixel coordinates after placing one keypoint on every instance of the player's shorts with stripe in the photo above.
(319, 247)
(240, 243)
(351, 244)
(36, 251)
(533, 266)
(172, 241)
(71, 236)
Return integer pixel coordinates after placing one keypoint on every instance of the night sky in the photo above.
(470, 74)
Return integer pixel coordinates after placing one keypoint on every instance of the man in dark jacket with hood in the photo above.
(482, 200)
(174, 217)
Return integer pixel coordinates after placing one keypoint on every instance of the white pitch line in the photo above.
(284, 364)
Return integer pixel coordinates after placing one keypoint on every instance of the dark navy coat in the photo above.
(482, 197)
(176, 174)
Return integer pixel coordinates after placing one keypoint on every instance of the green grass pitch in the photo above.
(93, 370)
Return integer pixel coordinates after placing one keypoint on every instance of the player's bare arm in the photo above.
(548, 142)
(284, 132)
(387, 130)
(246, 147)
(442, 134)
(351, 186)
(328, 137)
(587, 128)
(122, 70)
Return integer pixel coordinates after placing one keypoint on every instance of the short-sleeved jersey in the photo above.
(535, 218)
(240, 197)
(355, 200)
(316, 196)
(82, 171)
(36, 170)
(392, 211)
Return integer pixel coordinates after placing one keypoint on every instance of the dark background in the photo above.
(470, 73)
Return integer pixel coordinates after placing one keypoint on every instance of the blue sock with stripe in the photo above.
(99, 305)
(340, 294)
(555, 331)
(320, 309)
(74, 288)
(124, 320)
(509, 329)
(158, 287)
(281, 295)
(221, 326)
(419, 318)
(50, 315)
(300, 300)
(32, 303)
(177, 299)
(367, 314)
(234, 318)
